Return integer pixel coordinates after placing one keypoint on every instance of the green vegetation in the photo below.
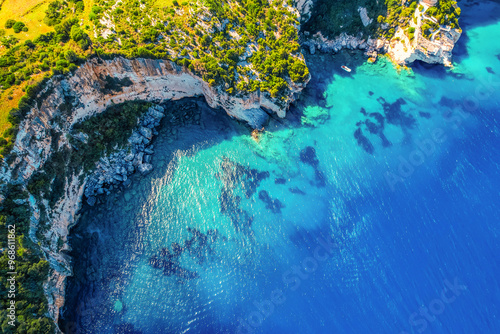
(397, 14)
(104, 132)
(29, 64)
(16, 26)
(32, 269)
(231, 44)
(237, 46)
(411, 33)
(335, 17)
(446, 12)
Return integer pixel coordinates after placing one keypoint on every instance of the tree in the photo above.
(18, 27)
(10, 23)
(53, 13)
(77, 33)
(205, 41)
(71, 56)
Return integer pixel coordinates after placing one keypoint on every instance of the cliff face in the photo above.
(434, 49)
(98, 84)
(157, 80)
(403, 51)
(90, 90)
(318, 42)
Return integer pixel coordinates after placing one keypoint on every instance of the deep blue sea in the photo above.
(373, 208)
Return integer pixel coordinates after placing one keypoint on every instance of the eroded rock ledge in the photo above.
(98, 84)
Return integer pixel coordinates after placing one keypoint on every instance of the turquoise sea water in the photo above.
(373, 208)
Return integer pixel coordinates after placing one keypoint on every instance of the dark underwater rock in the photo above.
(156, 262)
(372, 127)
(447, 102)
(280, 180)
(199, 247)
(425, 114)
(271, 204)
(126, 328)
(238, 179)
(395, 115)
(320, 178)
(296, 190)
(308, 156)
(177, 249)
(379, 117)
(385, 141)
(91, 200)
(363, 141)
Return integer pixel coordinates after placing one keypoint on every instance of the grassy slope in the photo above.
(31, 13)
(164, 3)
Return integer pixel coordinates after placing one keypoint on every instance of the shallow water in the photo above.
(372, 209)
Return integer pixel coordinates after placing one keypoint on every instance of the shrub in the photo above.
(18, 27)
(71, 56)
(62, 63)
(10, 23)
(53, 14)
(77, 33)
(79, 7)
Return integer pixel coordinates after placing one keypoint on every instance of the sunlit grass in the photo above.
(164, 3)
(30, 12)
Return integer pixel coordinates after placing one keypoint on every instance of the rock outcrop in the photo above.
(90, 90)
(434, 49)
(99, 84)
(320, 43)
(404, 48)
(363, 13)
(115, 169)
(305, 8)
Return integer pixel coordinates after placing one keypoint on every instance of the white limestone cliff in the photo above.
(434, 50)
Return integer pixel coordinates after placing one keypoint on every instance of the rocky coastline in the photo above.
(319, 43)
(116, 168)
(99, 84)
(401, 49)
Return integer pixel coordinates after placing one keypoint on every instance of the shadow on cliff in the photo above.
(460, 53)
